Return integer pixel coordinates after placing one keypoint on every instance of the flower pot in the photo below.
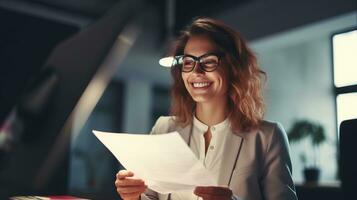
(311, 174)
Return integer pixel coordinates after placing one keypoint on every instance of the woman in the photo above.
(218, 109)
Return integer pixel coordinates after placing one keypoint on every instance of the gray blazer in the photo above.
(262, 170)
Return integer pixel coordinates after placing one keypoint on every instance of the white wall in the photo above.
(300, 86)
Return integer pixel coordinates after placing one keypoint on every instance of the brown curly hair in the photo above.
(243, 74)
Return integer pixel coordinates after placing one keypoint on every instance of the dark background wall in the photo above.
(25, 43)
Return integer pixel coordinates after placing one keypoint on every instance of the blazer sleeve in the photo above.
(276, 182)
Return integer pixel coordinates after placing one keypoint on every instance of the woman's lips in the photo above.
(201, 85)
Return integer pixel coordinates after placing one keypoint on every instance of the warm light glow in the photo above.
(166, 61)
(345, 59)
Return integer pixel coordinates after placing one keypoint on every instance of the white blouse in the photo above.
(213, 158)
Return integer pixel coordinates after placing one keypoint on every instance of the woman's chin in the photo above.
(201, 98)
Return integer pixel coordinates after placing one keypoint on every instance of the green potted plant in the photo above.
(315, 132)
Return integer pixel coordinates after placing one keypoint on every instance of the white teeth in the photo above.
(199, 85)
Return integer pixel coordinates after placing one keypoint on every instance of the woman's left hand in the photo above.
(212, 192)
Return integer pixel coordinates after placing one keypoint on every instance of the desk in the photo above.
(326, 191)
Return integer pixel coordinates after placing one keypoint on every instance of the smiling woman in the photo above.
(217, 108)
(238, 66)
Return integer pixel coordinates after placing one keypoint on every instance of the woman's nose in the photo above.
(198, 68)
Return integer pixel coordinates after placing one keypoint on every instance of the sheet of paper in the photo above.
(164, 161)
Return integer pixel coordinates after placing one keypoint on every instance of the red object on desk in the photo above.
(64, 197)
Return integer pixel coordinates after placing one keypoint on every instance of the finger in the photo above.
(128, 190)
(212, 190)
(129, 182)
(130, 196)
(214, 197)
(124, 173)
(133, 195)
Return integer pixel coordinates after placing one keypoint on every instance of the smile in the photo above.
(201, 84)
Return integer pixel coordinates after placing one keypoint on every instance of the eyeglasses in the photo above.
(207, 62)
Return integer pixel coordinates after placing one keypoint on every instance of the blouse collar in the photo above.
(217, 127)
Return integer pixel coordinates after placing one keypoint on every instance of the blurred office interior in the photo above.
(306, 47)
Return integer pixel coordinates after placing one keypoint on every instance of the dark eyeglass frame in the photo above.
(198, 60)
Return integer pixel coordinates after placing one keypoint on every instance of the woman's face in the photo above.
(204, 87)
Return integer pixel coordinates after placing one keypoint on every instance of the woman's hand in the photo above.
(129, 188)
(211, 192)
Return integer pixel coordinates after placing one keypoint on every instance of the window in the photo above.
(344, 48)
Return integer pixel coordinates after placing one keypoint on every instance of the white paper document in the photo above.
(164, 161)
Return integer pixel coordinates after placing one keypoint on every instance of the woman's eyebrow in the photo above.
(209, 52)
(186, 54)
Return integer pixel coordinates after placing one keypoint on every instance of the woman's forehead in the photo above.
(198, 45)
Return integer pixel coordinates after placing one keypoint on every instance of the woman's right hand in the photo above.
(129, 188)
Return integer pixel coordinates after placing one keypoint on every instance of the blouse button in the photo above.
(211, 147)
(213, 128)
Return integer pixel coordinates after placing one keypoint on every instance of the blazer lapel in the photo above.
(184, 132)
(233, 145)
